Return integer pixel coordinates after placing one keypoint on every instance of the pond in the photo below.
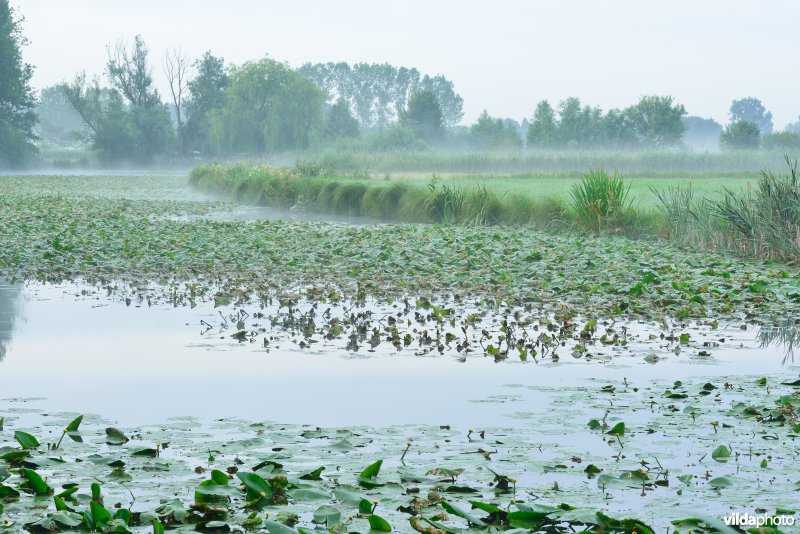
(139, 363)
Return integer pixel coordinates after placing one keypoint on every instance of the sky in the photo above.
(503, 56)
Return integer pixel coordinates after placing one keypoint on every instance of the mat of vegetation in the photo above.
(61, 236)
(664, 449)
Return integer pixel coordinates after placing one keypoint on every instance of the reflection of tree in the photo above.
(9, 309)
(786, 336)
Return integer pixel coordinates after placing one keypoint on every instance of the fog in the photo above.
(504, 57)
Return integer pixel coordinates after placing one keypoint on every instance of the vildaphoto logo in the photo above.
(758, 520)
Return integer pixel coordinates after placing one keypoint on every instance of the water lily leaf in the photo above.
(38, 485)
(26, 440)
(617, 430)
(720, 482)
(379, 524)
(721, 454)
(273, 527)
(308, 494)
(349, 495)
(464, 514)
(115, 436)
(327, 515)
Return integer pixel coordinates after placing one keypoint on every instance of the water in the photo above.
(142, 365)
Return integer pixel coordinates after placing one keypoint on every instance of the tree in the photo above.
(542, 129)
(494, 134)
(112, 133)
(657, 121)
(268, 108)
(378, 92)
(743, 135)
(176, 67)
(17, 99)
(340, 122)
(206, 93)
(752, 110)
(424, 116)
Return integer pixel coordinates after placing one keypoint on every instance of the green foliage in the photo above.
(340, 122)
(751, 110)
(206, 93)
(657, 121)
(764, 222)
(128, 122)
(424, 116)
(542, 129)
(740, 135)
(493, 134)
(17, 99)
(781, 141)
(378, 93)
(599, 198)
(269, 108)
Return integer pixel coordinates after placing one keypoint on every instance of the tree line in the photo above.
(264, 106)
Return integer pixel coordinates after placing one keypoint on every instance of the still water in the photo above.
(143, 364)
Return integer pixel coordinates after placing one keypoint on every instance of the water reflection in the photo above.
(10, 307)
(785, 337)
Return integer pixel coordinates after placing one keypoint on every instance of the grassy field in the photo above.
(557, 184)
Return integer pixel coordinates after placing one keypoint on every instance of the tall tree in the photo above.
(340, 122)
(542, 129)
(494, 134)
(751, 110)
(131, 75)
(206, 93)
(17, 99)
(176, 67)
(740, 135)
(657, 121)
(378, 92)
(424, 116)
(269, 108)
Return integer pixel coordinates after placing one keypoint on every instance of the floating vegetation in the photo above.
(663, 449)
(53, 237)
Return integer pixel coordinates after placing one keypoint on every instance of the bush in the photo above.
(599, 197)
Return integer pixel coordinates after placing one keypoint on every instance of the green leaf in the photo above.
(720, 482)
(273, 527)
(368, 475)
(38, 485)
(364, 507)
(257, 487)
(158, 527)
(327, 515)
(308, 494)
(379, 524)
(73, 426)
(721, 454)
(26, 440)
(313, 475)
(464, 514)
(100, 516)
(617, 430)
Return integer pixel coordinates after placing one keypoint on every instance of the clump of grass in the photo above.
(598, 198)
(764, 222)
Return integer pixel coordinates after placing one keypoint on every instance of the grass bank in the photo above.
(437, 200)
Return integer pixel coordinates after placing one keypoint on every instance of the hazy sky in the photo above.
(503, 55)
